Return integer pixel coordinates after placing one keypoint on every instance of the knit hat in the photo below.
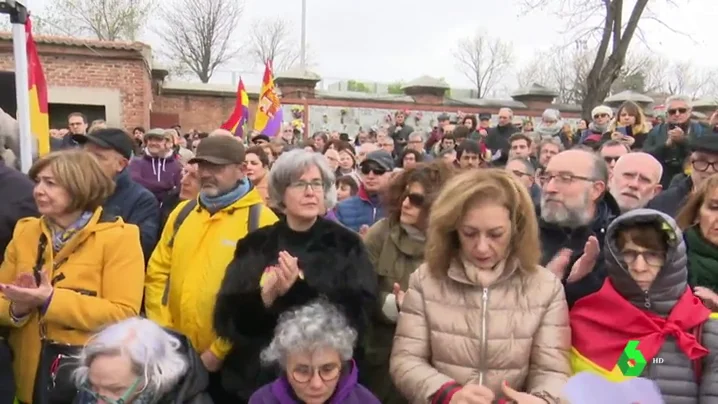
(602, 109)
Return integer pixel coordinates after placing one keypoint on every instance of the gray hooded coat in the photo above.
(675, 376)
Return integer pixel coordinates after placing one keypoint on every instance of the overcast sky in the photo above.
(390, 40)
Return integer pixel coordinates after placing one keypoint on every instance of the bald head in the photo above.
(635, 180)
(221, 132)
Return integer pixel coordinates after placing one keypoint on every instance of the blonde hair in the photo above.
(688, 215)
(97, 124)
(463, 193)
(80, 174)
(642, 126)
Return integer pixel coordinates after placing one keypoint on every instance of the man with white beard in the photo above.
(636, 179)
(575, 212)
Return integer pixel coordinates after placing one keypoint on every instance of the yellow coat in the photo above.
(194, 267)
(101, 284)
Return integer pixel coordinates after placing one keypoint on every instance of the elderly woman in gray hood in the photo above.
(646, 299)
(551, 126)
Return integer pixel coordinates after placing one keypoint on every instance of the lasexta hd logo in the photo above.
(632, 362)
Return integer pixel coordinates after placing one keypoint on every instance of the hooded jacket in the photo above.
(555, 238)
(674, 375)
(158, 174)
(360, 209)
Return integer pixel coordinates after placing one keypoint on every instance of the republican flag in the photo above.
(240, 115)
(39, 114)
(269, 116)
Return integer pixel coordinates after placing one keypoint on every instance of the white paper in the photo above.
(590, 388)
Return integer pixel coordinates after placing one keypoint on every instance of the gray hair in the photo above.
(417, 134)
(290, 166)
(155, 354)
(680, 98)
(599, 171)
(530, 169)
(551, 114)
(314, 326)
(550, 140)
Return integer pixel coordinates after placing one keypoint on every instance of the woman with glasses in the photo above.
(396, 248)
(135, 361)
(645, 321)
(313, 346)
(288, 264)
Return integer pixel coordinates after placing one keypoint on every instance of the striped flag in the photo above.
(240, 115)
(39, 113)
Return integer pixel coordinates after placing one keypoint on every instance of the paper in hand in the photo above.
(590, 388)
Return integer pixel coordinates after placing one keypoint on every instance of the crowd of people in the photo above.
(471, 265)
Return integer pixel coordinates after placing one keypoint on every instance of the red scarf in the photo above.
(602, 324)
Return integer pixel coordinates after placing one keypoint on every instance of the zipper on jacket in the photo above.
(482, 348)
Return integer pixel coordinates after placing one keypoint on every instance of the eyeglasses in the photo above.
(702, 165)
(416, 199)
(562, 178)
(520, 173)
(366, 169)
(610, 159)
(652, 258)
(677, 111)
(95, 397)
(328, 372)
(316, 186)
(600, 116)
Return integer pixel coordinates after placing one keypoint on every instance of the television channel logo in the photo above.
(632, 362)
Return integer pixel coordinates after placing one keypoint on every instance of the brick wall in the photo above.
(83, 66)
(197, 111)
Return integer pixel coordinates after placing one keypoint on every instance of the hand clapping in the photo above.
(282, 278)
(25, 294)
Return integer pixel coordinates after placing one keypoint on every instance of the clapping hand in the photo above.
(520, 398)
(709, 297)
(281, 279)
(25, 294)
(398, 294)
(582, 267)
(473, 394)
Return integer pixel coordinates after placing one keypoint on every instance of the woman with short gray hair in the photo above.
(288, 264)
(136, 361)
(313, 346)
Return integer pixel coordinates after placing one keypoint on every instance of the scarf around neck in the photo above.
(60, 236)
(216, 203)
(601, 336)
(702, 259)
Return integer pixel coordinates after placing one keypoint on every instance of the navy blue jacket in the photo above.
(136, 205)
(361, 209)
(555, 238)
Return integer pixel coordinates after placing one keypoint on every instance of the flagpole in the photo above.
(303, 56)
(18, 17)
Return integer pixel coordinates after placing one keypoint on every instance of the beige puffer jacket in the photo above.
(452, 329)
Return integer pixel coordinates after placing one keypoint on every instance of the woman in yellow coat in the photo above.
(92, 265)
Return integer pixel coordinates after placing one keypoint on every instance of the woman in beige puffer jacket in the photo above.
(480, 312)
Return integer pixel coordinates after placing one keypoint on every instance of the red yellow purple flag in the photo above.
(39, 113)
(236, 122)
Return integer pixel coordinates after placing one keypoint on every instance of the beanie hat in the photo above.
(602, 109)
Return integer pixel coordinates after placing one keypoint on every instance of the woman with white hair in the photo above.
(294, 261)
(138, 362)
(551, 127)
(313, 346)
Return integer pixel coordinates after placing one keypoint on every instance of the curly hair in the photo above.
(431, 176)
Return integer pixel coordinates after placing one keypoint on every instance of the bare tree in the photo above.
(106, 20)
(271, 39)
(563, 69)
(614, 33)
(483, 60)
(198, 35)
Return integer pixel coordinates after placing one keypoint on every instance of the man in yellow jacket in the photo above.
(186, 268)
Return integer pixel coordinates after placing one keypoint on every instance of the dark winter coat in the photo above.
(136, 205)
(555, 238)
(671, 200)
(497, 140)
(335, 265)
(672, 157)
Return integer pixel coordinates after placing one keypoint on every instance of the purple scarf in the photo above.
(348, 391)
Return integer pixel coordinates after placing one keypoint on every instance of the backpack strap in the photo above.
(698, 363)
(255, 212)
(181, 216)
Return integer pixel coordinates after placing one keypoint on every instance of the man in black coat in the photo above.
(497, 139)
(16, 203)
(704, 163)
(574, 214)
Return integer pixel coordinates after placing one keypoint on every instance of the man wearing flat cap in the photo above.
(438, 132)
(198, 242)
(703, 162)
(131, 201)
(364, 209)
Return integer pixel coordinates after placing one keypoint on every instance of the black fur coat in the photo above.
(335, 265)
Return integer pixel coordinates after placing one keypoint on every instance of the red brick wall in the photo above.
(200, 112)
(106, 68)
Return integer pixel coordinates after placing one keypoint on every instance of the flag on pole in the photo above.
(269, 116)
(240, 115)
(39, 113)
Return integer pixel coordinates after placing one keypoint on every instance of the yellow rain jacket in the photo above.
(193, 268)
(98, 283)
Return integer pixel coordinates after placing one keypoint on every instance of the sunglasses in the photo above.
(677, 111)
(610, 159)
(366, 169)
(417, 200)
(600, 116)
